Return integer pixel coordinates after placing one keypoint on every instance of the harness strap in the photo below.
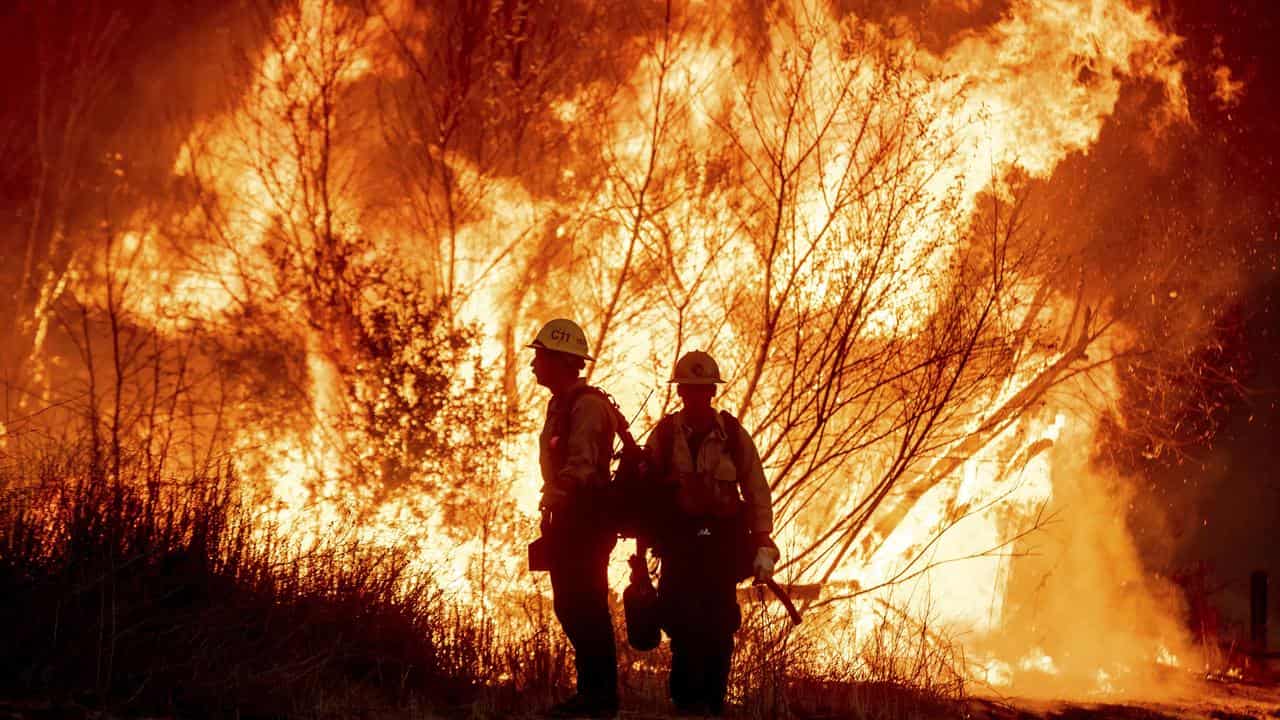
(621, 429)
(733, 441)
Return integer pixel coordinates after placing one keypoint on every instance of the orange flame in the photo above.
(1021, 96)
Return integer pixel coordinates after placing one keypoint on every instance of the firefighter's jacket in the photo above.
(711, 484)
(575, 455)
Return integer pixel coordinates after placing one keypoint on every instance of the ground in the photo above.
(1212, 700)
(1206, 699)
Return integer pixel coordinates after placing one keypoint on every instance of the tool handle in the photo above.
(785, 599)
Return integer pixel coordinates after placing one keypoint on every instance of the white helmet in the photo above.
(564, 336)
(696, 368)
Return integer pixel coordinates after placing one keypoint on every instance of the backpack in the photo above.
(628, 497)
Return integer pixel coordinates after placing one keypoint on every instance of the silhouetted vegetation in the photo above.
(170, 597)
(139, 595)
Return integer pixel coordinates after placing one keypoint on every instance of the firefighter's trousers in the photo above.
(699, 606)
(580, 589)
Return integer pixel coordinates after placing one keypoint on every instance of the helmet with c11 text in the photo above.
(564, 336)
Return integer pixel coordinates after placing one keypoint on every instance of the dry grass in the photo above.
(904, 669)
(131, 594)
(137, 596)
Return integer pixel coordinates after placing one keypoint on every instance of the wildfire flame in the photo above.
(644, 219)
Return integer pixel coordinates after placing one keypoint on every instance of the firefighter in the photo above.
(575, 449)
(716, 535)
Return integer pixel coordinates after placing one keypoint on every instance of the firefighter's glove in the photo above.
(553, 499)
(766, 558)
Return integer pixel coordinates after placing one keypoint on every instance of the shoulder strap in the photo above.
(665, 433)
(571, 399)
(666, 430)
(621, 426)
(733, 440)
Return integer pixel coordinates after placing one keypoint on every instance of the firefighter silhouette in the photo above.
(721, 517)
(575, 448)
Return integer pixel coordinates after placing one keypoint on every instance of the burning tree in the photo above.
(805, 203)
(394, 195)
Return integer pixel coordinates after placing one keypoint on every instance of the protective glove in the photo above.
(767, 557)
